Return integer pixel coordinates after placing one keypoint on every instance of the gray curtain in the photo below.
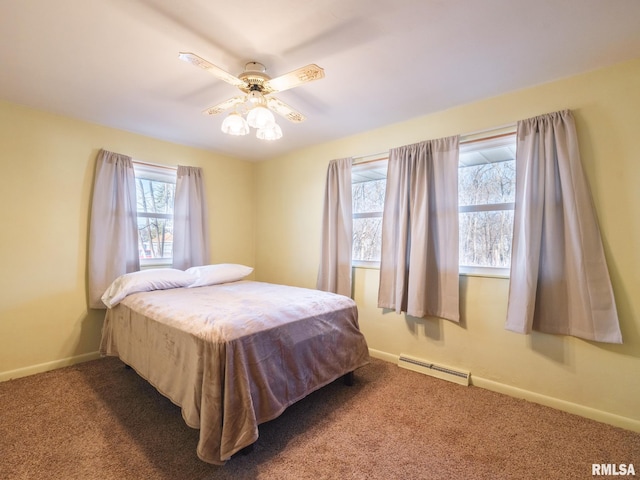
(190, 220)
(334, 274)
(559, 278)
(113, 229)
(419, 264)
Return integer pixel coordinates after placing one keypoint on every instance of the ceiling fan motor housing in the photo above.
(255, 77)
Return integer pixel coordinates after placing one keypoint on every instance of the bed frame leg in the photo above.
(348, 379)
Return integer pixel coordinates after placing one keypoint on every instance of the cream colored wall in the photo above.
(595, 380)
(46, 175)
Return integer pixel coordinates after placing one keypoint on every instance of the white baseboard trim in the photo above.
(565, 406)
(387, 357)
(45, 367)
(558, 404)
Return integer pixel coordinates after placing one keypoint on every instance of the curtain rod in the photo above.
(483, 139)
(154, 165)
(374, 157)
(511, 127)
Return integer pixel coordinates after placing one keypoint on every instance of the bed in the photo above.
(234, 355)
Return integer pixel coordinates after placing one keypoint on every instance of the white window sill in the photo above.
(465, 271)
(155, 263)
(364, 264)
(490, 272)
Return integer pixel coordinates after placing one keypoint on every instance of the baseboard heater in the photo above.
(439, 371)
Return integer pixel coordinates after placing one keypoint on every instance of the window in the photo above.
(368, 183)
(486, 195)
(155, 193)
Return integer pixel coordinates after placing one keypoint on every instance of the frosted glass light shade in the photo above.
(273, 133)
(234, 124)
(256, 98)
(260, 117)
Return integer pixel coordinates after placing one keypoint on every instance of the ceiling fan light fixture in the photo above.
(256, 97)
(272, 133)
(234, 124)
(260, 117)
(256, 103)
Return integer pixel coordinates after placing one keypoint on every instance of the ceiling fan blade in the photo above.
(221, 107)
(194, 59)
(297, 77)
(285, 110)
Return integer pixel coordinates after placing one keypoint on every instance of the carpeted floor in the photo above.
(98, 420)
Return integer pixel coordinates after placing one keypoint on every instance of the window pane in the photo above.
(487, 183)
(368, 196)
(155, 238)
(155, 199)
(154, 196)
(485, 238)
(367, 238)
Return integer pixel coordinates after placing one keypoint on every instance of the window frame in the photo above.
(496, 139)
(160, 173)
(375, 163)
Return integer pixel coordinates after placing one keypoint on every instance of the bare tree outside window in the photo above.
(486, 195)
(368, 189)
(155, 194)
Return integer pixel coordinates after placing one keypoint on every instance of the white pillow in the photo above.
(219, 273)
(145, 281)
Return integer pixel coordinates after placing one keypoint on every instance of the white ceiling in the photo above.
(115, 62)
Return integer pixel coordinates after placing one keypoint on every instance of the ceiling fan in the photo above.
(256, 101)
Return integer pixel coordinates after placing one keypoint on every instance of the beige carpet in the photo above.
(99, 420)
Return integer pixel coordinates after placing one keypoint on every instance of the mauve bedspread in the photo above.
(235, 355)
